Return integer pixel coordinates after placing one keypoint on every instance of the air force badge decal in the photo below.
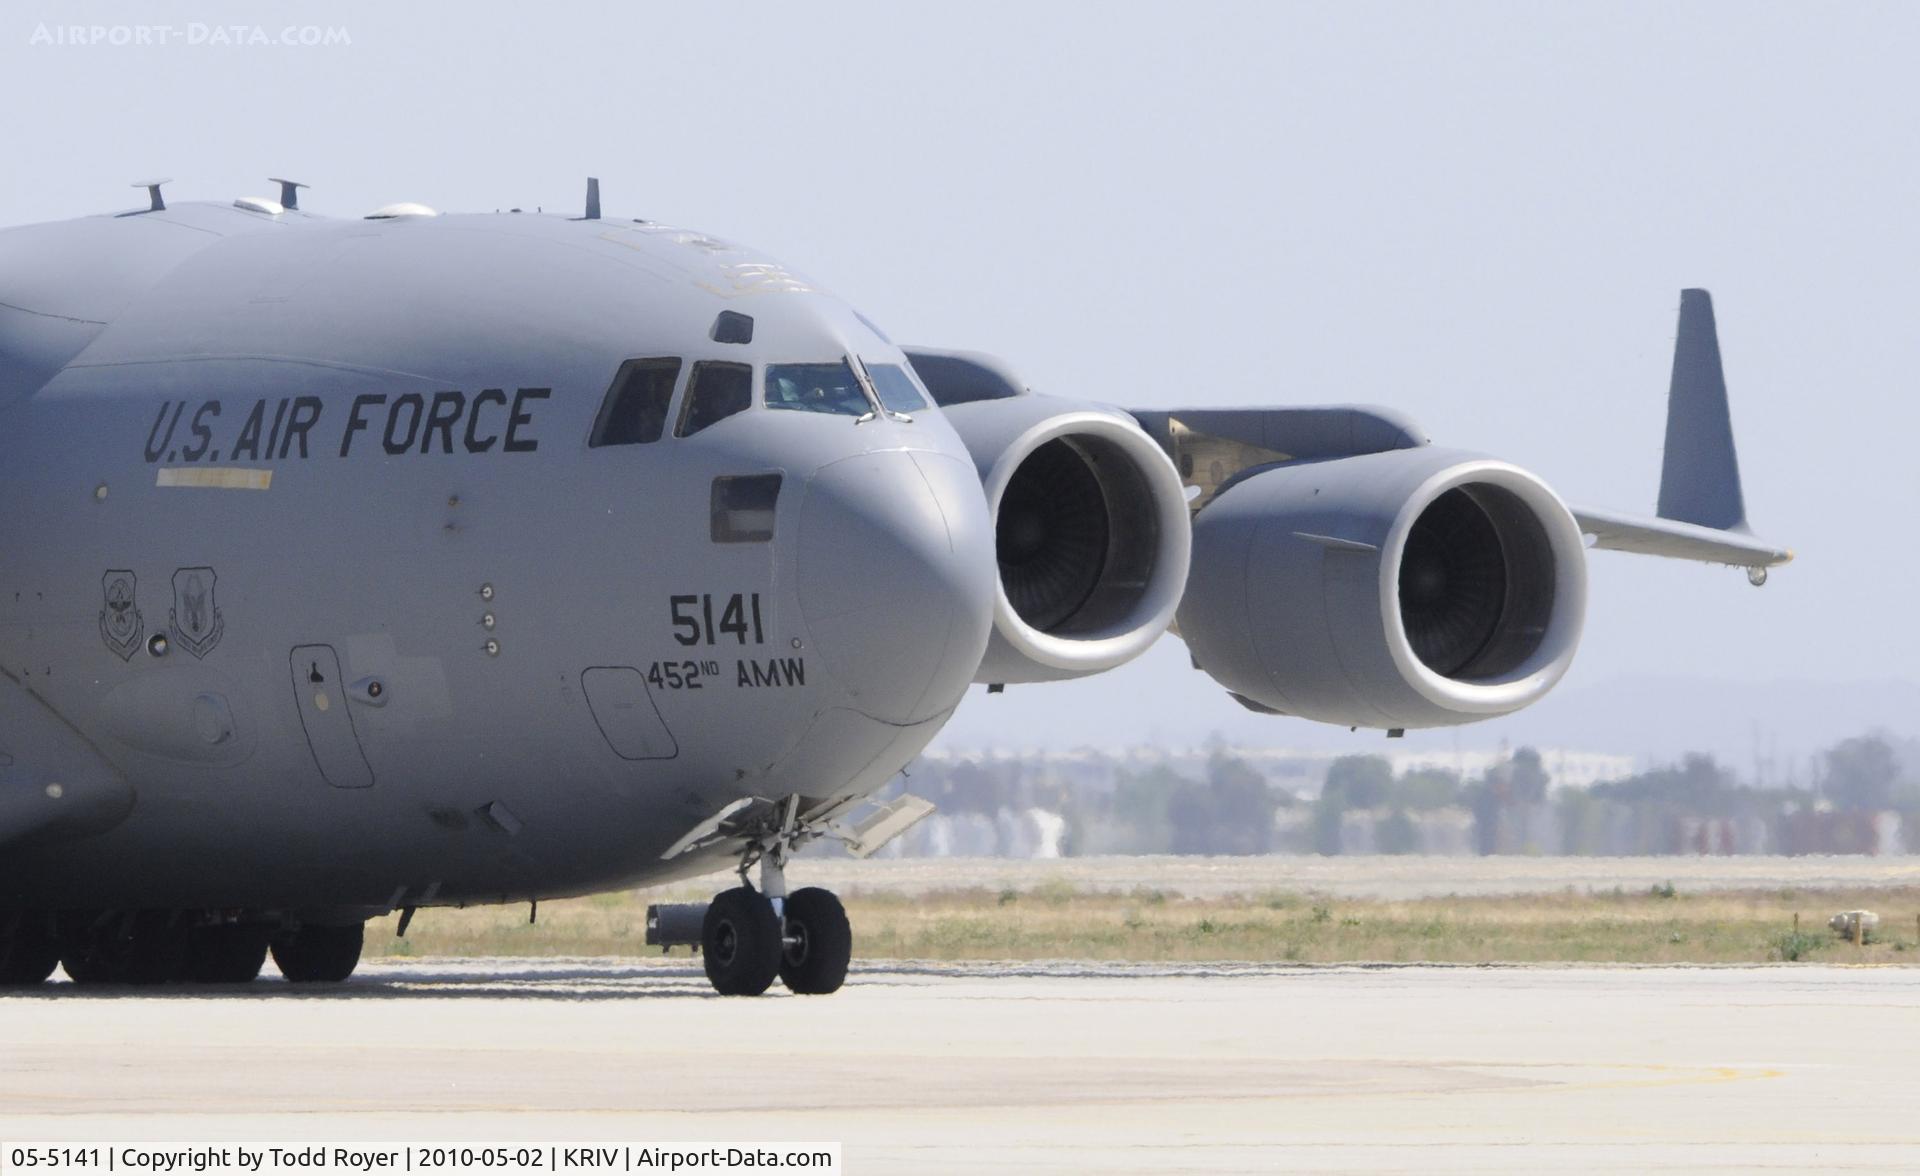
(121, 625)
(198, 623)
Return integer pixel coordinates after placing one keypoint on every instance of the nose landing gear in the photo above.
(749, 936)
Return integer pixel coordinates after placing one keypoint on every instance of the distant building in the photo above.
(1298, 771)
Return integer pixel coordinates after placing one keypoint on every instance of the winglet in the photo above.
(1700, 479)
(1702, 514)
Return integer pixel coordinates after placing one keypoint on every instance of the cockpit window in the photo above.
(715, 392)
(635, 410)
(897, 388)
(817, 387)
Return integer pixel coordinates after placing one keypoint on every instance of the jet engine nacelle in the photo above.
(1412, 588)
(1091, 529)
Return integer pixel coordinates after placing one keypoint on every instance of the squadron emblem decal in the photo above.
(198, 623)
(121, 625)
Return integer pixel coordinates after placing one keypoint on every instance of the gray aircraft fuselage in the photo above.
(312, 588)
(354, 565)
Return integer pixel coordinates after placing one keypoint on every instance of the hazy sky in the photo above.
(1481, 214)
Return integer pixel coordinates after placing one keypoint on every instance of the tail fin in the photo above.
(1700, 480)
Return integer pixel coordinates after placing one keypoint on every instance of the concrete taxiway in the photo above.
(1027, 1068)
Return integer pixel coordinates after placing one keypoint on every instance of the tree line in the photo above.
(1862, 798)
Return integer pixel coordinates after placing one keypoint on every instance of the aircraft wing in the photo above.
(1702, 513)
(1672, 539)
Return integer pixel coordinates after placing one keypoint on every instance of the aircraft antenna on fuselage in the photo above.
(593, 198)
(153, 193)
(289, 192)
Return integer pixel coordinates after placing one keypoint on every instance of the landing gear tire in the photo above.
(740, 942)
(28, 954)
(93, 956)
(226, 953)
(317, 954)
(818, 943)
(148, 949)
(155, 950)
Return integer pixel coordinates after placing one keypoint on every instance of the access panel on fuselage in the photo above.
(322, 699)
(624, 709)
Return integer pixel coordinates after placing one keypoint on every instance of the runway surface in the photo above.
(1015, 1068)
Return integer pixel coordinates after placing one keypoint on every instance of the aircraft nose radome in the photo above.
(896, 579)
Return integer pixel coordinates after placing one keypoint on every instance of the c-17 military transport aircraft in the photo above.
(352, 566)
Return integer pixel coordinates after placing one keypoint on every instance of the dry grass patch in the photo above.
(1056, 921)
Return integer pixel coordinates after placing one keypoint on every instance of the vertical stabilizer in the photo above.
(1700, 478)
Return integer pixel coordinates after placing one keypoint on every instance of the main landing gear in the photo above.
(164, 947)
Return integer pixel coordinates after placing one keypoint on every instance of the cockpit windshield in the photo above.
(897, 388)
(817, 387)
